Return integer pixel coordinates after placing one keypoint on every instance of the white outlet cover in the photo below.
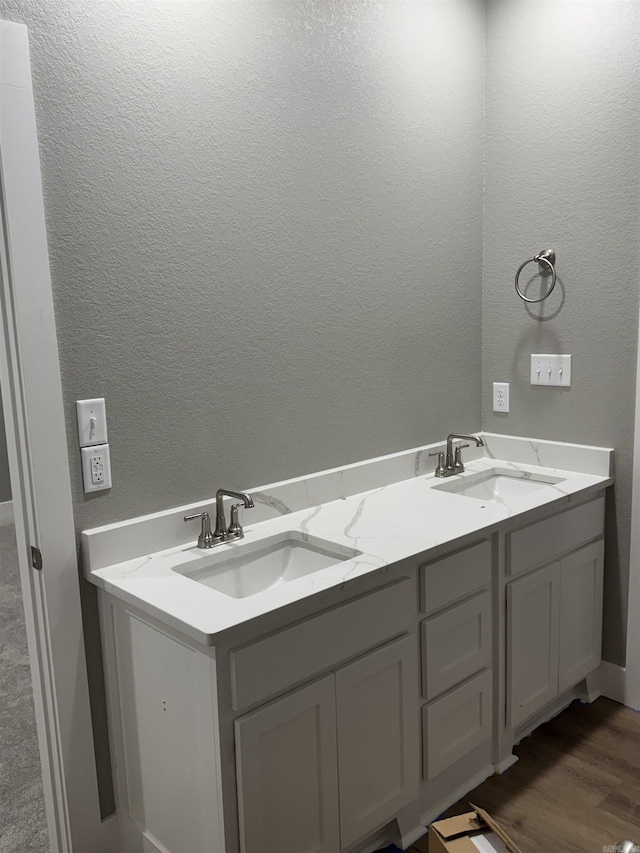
(501, 397)
(97, 456)
(551, 370)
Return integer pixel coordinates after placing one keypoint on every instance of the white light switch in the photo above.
(551, 370)
(96, 468)
(92, 422)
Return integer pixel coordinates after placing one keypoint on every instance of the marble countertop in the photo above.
(409, 518)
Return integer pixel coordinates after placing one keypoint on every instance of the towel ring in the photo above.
(546, 256)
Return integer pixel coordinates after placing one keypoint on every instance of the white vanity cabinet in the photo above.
(350, 719)
(328, 764)
(298, 734)
(554, 613)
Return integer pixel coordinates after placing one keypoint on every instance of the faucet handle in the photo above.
(206, 538)
(441, 469)
(235, 531)
(458, 465)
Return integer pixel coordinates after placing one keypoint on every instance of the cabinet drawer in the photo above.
(455, 577)
(282, 660)
(546, 540)
(456, 724)
(456, 644)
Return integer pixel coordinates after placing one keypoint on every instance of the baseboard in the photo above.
(460, 792)
(376, 842)
(506, 763)
(547, 713)
(6, 512)
(612, 681)
(412, 837)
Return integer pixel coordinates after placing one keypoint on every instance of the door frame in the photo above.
(631, 671)
(38, 461)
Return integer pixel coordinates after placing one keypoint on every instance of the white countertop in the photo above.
(387, 524)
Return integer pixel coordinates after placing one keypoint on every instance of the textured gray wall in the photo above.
(262, 218)
(265, 227)
(562, 158)
(5, 481)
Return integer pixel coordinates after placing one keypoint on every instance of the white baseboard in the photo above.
(506, 763)
(6, 512)
(611, 681)
(412, 837)
(461, 791)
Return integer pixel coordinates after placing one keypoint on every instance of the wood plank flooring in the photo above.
(576, 786)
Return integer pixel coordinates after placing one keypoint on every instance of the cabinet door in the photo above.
(532, 642)
(287, 781)
(581, 576)
(378, 737)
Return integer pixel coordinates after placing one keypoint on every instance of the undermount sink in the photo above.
(249, 568)
(500, 485)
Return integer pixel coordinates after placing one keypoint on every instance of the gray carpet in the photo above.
(23, 827)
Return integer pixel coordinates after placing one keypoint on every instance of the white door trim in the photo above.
(36, 443)
(632, 667)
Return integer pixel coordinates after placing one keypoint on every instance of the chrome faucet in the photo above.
(221, 534)
(453, 462)
(235, 531)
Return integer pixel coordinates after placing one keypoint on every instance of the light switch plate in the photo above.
(551, 370)
(92, 422)
(96, 468)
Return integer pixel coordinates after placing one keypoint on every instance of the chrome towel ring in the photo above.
(546, 256)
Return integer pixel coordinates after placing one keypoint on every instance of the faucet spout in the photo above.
(221, 525)
(246, 499)
(459, 437)
(454, 436)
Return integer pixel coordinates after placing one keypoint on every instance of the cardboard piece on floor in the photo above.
(468, 833)
(489, 843)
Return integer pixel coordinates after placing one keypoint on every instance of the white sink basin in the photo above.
(247, 568)
(500, 485)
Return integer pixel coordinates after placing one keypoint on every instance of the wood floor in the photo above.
(576, 786)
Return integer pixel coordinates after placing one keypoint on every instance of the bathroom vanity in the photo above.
(342, 707)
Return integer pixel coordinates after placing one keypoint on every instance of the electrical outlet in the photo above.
(96, 468)
(501, 397)
(551, 370)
